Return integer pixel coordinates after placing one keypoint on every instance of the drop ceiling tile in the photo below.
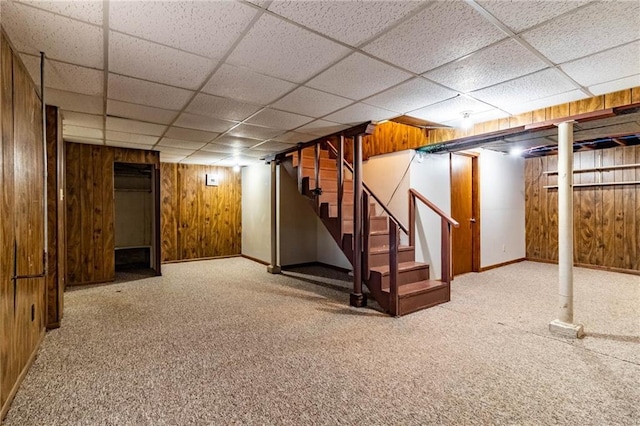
(208, 28)
(86, 132)
(271, 147)
(261, 3)
(168, 158)
(615, 85)
(34, 30)
(215, 106)
(357, 77)
(520, 15)
(179, 143)
(294, 137)
(237, 142)
(348, 21)
(113, 135)
(130, 145)
(480, 117)
(201, 157)
(80, 139)
(246, 85)
(87, 11)
(134, 126)
(69, 101)
(593, 28)
(82, 120)
(174, 151)
(557, 99)
(360, 113)
(439, 34)
(529, 88)
(190, 134)
(200, 122)
(132, 56)
(283, 50)
(71, 78)
(220, 148)
(606, 66)
(321, 128)
(240, 161)
(311, 102)
(146, 93)
(254, 132)
(140, 112)
(413, 94)
(498, 63)
(278, 119)
(450, 109)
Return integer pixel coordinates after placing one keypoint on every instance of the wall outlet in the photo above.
(504, 248)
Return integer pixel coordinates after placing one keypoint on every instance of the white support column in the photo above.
(274, 267)
(564, 325)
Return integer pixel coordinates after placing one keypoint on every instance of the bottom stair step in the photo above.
(419, 287)
(421, 295)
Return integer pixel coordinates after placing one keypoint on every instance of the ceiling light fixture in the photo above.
(236, 168)
(466, 122)
(516, 151)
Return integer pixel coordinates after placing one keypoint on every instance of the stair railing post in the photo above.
(316, 163)
(274, 267)
(340, 183)
(299, 169)
(357, 298)
(445, 248)
(366, 227)
(412, 219)
(394, 307)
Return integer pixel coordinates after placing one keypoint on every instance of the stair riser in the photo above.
(408, 277)
(347, 210)
(329, 174)
(380, 240)
(375, 224)
(309, 163)
(381, 259)
(332, 197)
(424, 300)
(331, 185)
(310, 153)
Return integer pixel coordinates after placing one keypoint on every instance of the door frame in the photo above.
(475, 204)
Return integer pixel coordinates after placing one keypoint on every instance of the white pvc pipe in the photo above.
(565, 220)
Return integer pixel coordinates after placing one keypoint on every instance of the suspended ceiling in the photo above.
(227, 82)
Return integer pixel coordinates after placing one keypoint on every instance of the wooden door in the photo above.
(465, 209)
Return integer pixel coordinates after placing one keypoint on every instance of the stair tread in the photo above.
(418, 287)
(385, 249)
(404, 266)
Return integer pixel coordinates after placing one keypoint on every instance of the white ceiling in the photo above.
(227, 82)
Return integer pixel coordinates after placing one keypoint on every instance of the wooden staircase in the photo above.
(398, 283)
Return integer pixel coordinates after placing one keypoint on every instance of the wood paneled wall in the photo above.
(90, 209)
(56, 251)
(22, 301)
(606, 228)
(200, 221)
(596, 103)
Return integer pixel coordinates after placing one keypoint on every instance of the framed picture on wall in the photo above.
(211, 180)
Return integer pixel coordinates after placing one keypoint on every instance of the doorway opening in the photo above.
(135, 229)
(465, 208)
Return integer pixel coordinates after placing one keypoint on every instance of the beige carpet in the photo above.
(223, 342)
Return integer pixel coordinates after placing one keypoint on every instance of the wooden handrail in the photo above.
(436, 209)
(445, 237)
(371, 193)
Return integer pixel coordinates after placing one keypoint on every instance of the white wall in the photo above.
(502, 207)
(328, 250)
(256, 212)
(431, 178)
(384, 175)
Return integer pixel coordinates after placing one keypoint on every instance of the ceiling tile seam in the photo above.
(142, 105)
(562, 15)
(608, 49)
(164, 45)
(211, 74)
(32, 6)
(105, 64)
(60, 62)
(119, 74)
(504, 28)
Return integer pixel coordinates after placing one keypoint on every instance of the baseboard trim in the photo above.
(324, 265)
(23, 374)
(500, 265)
(166, 262)
(91, 282)
(587, 266)
(255, 259)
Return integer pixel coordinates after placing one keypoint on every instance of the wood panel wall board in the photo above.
(630, 218)
(615, 99)
(587, 225)
(551, 232)
(108, 214)
(87, 207)
(528, 217)
(608, 209)
(520, 119)
(99, 203)
(635, 95)
(169, 220)
(538, 115)
(543, 218)
(74, 231)
(595, 103)
(619, 193)
(637, 213)
(598, 212)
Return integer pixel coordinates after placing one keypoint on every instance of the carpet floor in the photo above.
(224, 342)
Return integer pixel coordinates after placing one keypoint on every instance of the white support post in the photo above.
(564, 325)
(274, 267)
